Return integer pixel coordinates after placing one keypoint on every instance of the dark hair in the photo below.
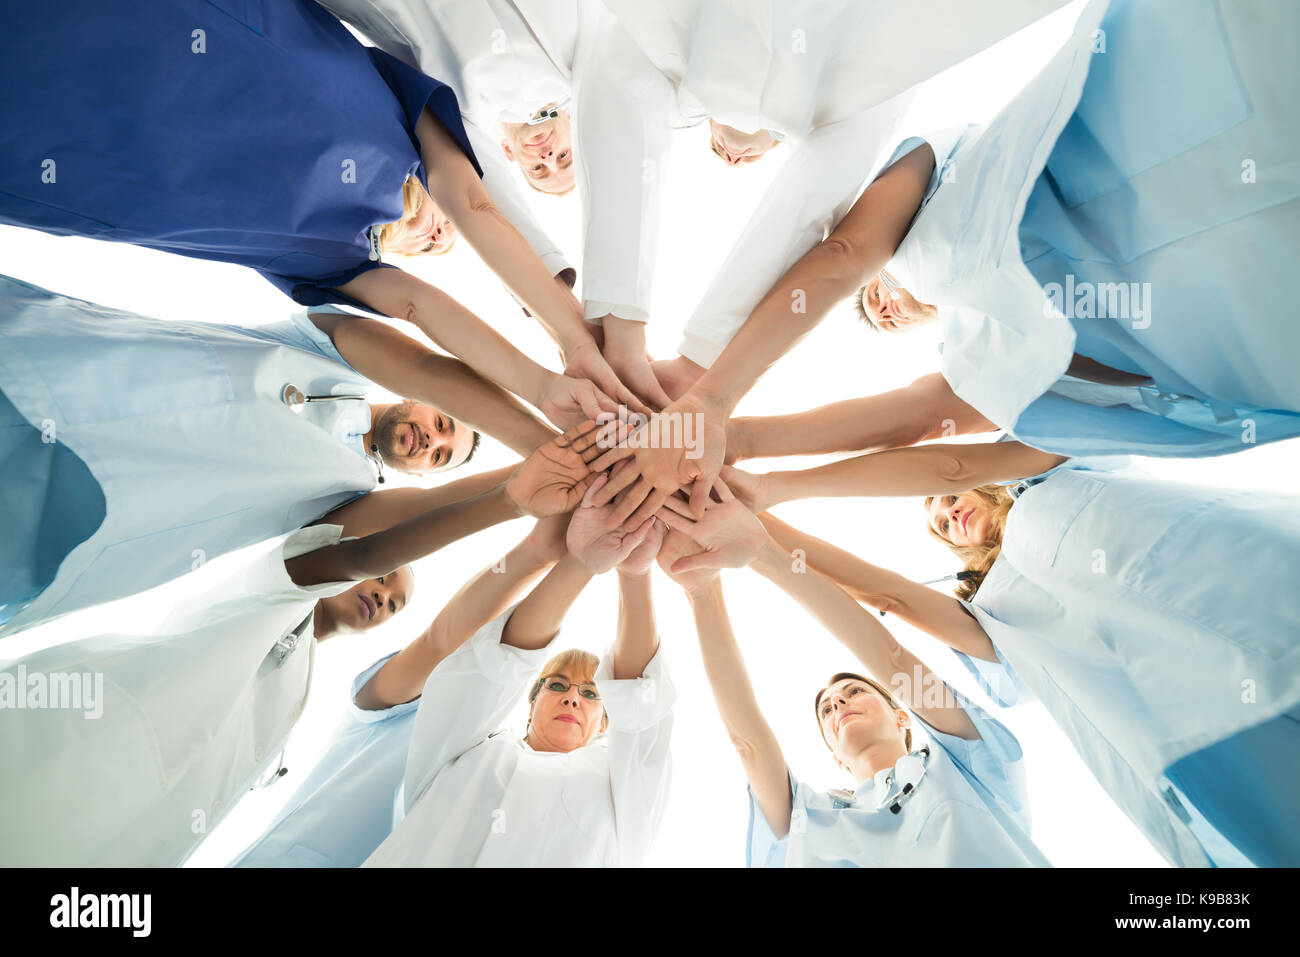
(478, 437)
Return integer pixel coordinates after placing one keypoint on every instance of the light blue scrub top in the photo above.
(349, 802)
(1175, 171)
(971, 809)
(178, 428)
(1117, 601)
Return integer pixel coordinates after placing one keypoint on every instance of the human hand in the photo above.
(568, 401)
(676, 376)
(753, 491)
(595, 540)
(626, 351)
(547, 539)
(683, 445)
(731, 535)
(643, 556)
(585, 361)
(555, 477)
(676, 547)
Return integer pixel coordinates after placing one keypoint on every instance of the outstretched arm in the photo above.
(537, 620)
(483, 598)
(938, 615)
(927, 409)
(392, 359)
(870, 642)
(377, 511)
(462, 195)
(923, 470)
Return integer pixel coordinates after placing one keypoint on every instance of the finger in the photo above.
(633, 401)
(678, 505)
(705, 559)
(589, 401)
(608, 428)
(655, 393)
(575, 433)
(699, 496)
(604, 402)
(633, 541)
(615, 485)
(638, 513)
(724, 493)
(678, 523)
(607, 459)
(620, 466)
(592, 489)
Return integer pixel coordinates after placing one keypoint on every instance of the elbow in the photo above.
(842, 264)
(745, 748)
(954, 471)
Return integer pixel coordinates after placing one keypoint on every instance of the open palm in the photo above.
(555, 477)
(596, 539)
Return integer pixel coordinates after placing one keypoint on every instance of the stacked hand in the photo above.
(597, 540)
(731, 535)
(586, 362)
(555, 477)
(569, 402)
(677, 547)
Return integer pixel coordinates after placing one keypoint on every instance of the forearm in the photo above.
(380, 553)
(537, 620)
(378, 511)
(638, 638)
(488, 408)
(924, 470)
(481, 599)
(924, 410)
(938, 615)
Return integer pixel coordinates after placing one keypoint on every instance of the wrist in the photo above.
(740, 439)
(705, 595)
(771, 560)
(624, 337)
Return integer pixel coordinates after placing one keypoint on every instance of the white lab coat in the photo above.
(183, 427)
(1141, 177)
(971, 809)
(477, 795)
(504, 59)
(809, 71)
(349, 802)
(1152, 619)
(191, 717)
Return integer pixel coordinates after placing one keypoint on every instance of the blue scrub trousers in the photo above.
(49, 504)
(1248, 787)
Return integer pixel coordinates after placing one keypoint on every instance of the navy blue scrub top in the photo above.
(257, 132)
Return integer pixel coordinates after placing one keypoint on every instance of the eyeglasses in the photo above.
(560, 685)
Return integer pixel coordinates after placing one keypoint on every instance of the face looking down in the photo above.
(854, 716)
(961, 520)
(414, 437)
(564, 715)
(884, 313)
(370, 603)
(425, 231)
(542, 151)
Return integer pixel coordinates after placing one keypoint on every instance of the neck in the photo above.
(322, 623)
(376, 410)
(874, 758)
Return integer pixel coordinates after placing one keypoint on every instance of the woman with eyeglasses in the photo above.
(587, 781)
(1155, 620)
(953, 798)
(266, 135)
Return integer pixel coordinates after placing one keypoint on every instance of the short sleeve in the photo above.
(636, 704)
(363, 716)
(992, 763)
(997, 679)
(762, 847)
(945, 144)
(416, 92)
(324, 289)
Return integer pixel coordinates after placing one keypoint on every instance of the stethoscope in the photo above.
(959, 577)
(889, 285)
(901, 782)
(297, 400)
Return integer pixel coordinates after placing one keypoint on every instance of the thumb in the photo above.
(699, 495)
(593, 488)
(704, 559)
(633, 541)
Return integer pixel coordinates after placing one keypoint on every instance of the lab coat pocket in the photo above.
(1147, 99)
(1225, 570)
(136, 373)
(1043, 516)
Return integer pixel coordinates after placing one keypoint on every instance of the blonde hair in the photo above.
(884, 693)
(413, 196)
(978, 559)
(576, 665)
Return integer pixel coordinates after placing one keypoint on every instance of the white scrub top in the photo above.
(183, 427)
(190, 717)
(1128, 163)
(504, 60)
(1118, 601)
(350, 800)
(477, 795)
(815, 73)
(971, 809)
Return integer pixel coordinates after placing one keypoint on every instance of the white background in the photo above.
(789, 655)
